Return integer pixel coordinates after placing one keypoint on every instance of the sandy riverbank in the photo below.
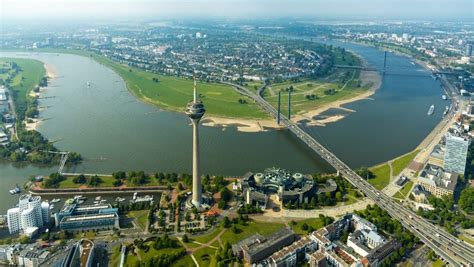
(51, 73)
(369, 79)
(242, 125)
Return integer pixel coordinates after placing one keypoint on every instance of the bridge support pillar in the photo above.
(279, 107)
(289, 105)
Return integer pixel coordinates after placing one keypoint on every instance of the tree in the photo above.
(365, 173)
(80, 179)
(466, 200)
(338, 196)
(185, 238)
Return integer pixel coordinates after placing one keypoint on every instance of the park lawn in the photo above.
(140, 216)
(107, 181)
(205, 256)
(382, 176)
(132, 260)
(401, 163)
(207, 237)
(173, 93)
(316, 223)
(115, 256)
(251, 228)
(32, 71)
(402, 193)
(185, 261)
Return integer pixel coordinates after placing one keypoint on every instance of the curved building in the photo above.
(288, 186)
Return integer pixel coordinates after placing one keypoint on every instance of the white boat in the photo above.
(102, 201)
(431, 110)
(96, 202)
(55, 200)
(444, 97)
(135, 195)
(98, 198)
(80, 201)
(88, 84)
(51, 206)
(120, 199)
(15, 190)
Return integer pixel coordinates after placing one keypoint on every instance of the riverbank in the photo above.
(369, 79)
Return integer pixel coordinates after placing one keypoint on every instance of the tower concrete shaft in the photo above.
(195, 110)
(197, 185)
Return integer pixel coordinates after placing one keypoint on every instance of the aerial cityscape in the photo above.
(236, 133)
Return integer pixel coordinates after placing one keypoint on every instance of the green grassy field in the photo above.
(107, 181)
(115, 256)
(302, 89)
(253, 227)
(438, 263)
(466, 239)
(172, 93)
(132, 260)
(205, 256)
(404, 191)
(315, 223)
(185, 261)
(30, 75)
(382, 176)
(401, 163)
(208, 237)
(141, 217)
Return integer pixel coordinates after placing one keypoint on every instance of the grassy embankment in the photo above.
(21, 84)
(382, 172)
(173, 93)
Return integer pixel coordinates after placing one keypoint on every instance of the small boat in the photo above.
(51, 206)
(98, 198)
(102, 201)
(55, 200)
(444, 97)
(88, 84)
(446, 110)
(80, 201)
(120, 199)
(135, 195)
(77, 196)
(15, 190)
(70, 201)
(96, 202)
(431, 110)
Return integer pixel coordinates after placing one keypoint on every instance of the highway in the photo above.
(452, 250)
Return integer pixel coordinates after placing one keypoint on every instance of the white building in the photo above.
(31, 212)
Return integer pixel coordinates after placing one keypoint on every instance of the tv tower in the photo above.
(195, 110)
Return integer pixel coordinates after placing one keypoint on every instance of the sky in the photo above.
(132, 9)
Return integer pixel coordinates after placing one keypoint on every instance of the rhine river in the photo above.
(115, 131)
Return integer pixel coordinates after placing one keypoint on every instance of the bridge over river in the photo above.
(448, 247)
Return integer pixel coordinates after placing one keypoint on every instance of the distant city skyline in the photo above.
(337, 9)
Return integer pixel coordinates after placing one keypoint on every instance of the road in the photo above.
(449, 248)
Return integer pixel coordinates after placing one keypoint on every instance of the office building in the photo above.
(455, 155)
(87, 217)
(31, 212)
(438, 182)
(257, 248)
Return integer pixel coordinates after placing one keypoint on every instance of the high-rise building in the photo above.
(195, 110)
(469, 50)
(31, 212)
(456, 154)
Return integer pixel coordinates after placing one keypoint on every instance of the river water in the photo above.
(114, 131)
